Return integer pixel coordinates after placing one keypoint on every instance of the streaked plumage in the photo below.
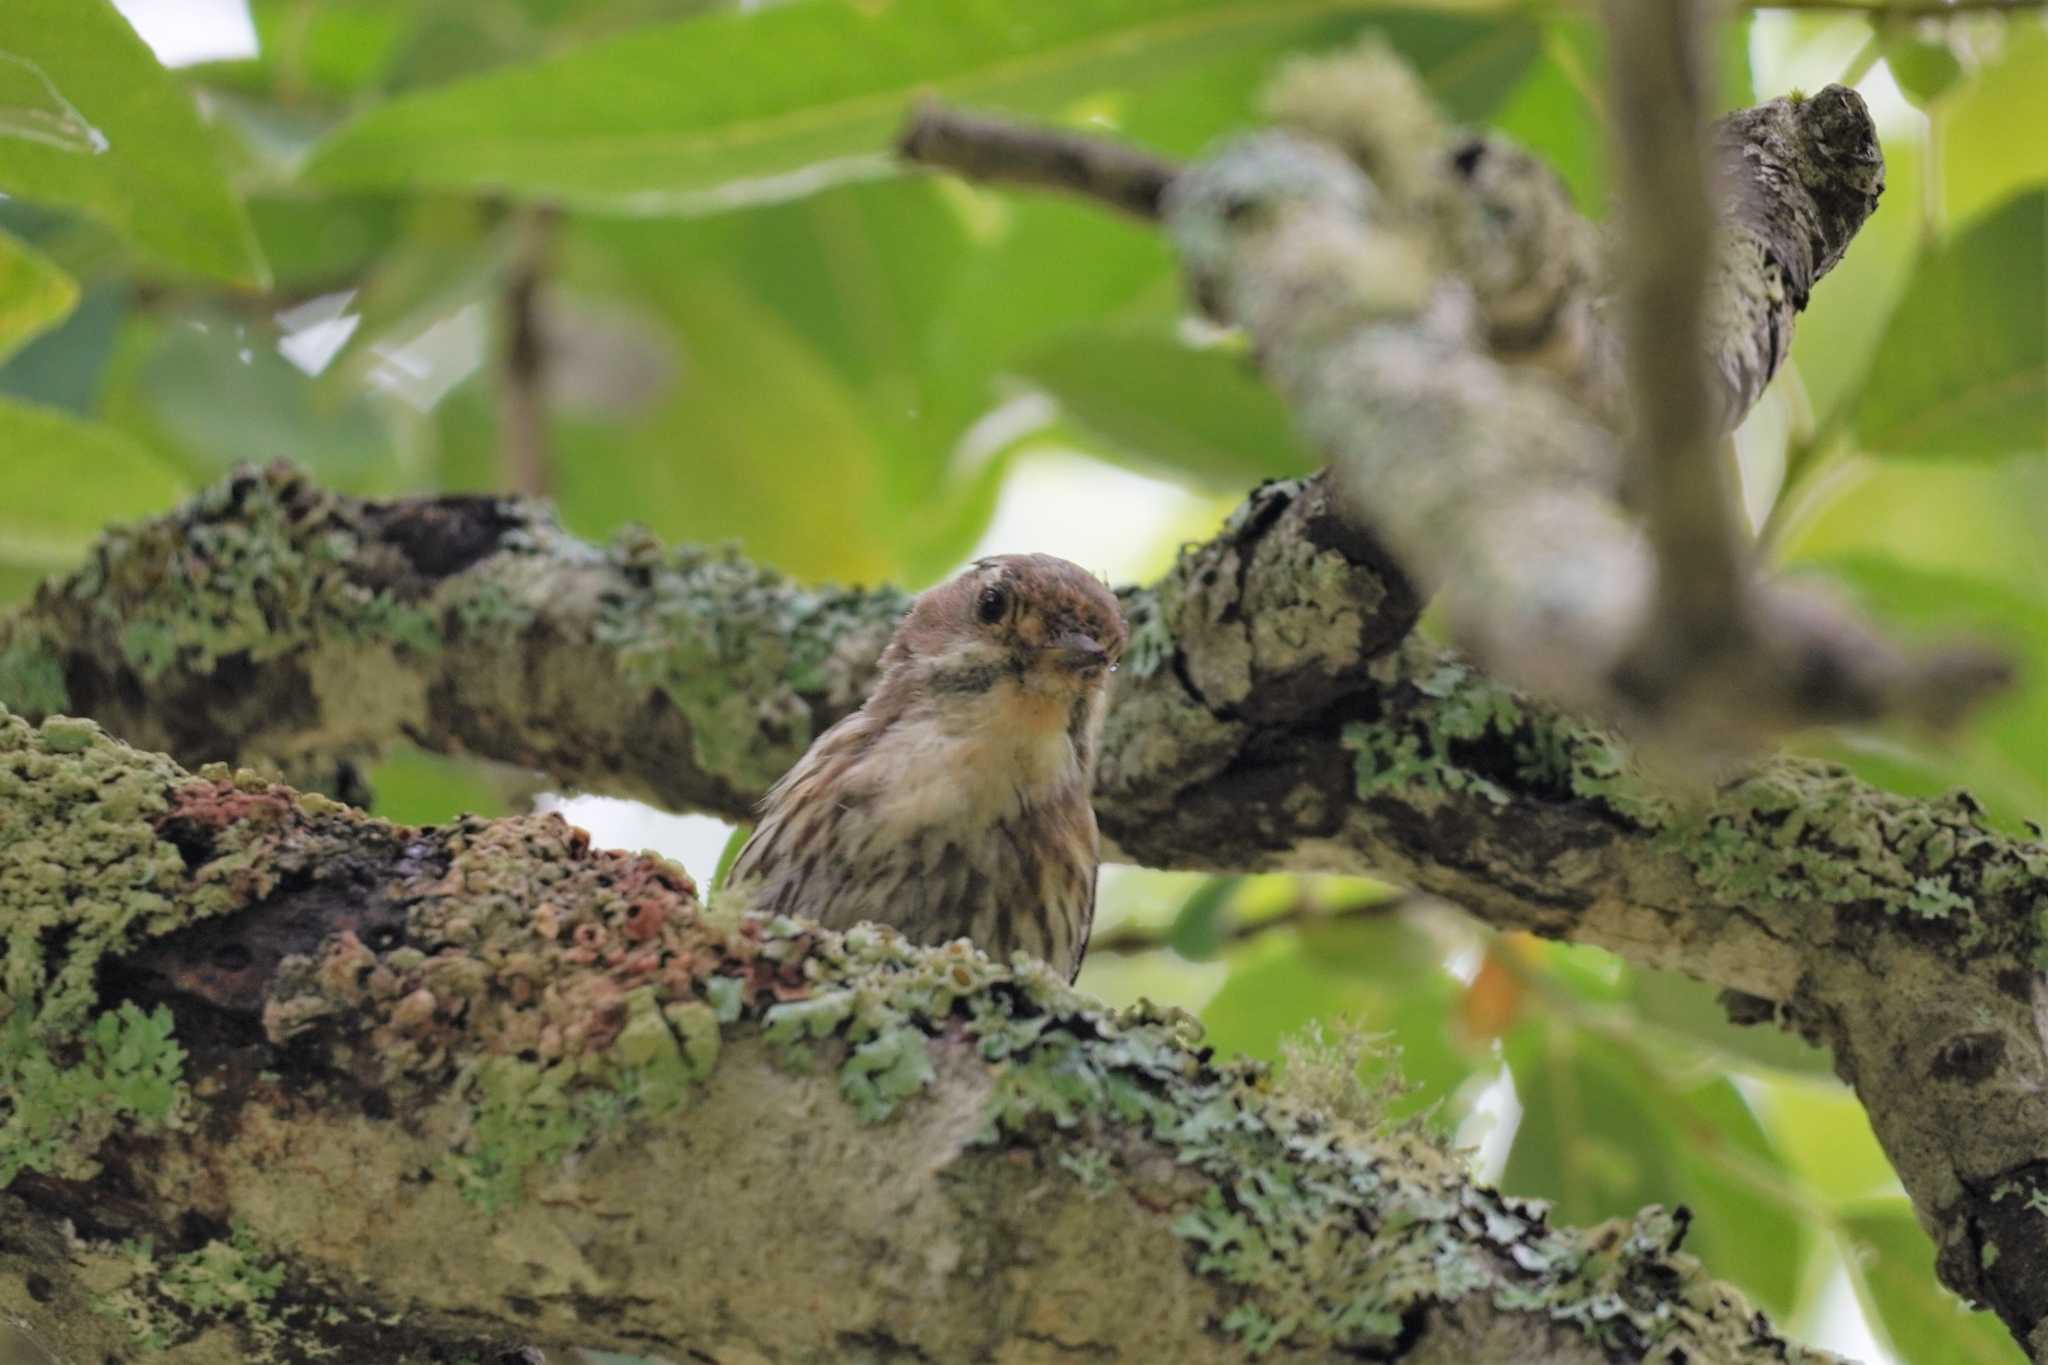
(955, 802)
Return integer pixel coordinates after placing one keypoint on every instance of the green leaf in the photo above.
(731, 106)
(88, 118)
(1963, 367)
(1692, 1009)
(34, 294)
(2002, 754)
(1197, 930)
(1603, 1134)
(63, 367)
(1379, 971)
(1982, 161)
(1926, 70)
(67, 480)
(1826, 1138)
(1140, 397)
(1891, 1262)
(214, 389)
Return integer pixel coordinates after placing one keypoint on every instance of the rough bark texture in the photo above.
(1270, 716)
(314, 1085)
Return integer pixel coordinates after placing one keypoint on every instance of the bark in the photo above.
(310, 1085)
(1272, 714)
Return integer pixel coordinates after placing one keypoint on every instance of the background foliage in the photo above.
(756, 330)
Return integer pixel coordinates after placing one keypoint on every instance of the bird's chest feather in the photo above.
(1009, 754)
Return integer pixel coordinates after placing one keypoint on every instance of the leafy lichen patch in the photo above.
(1454, 731)
(742, 652)
(257, 565)
(70, 1073)
(1808, 833)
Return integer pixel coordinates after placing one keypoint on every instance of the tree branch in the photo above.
(1659, 74)
(395, 1094)
(1269, 717)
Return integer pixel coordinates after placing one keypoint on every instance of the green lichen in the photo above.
(490, 608)
(257, 565)
(31, 674)
(742, 652)
(169, 1300)
(1802, 832)
(82, 874)
(1150, 646)
(1465, 734)
(124, 1069)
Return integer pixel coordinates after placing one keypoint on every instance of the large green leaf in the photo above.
(733, 106)
(34, 294)
(66, 480)
(1604, 1133)
(1891, 1262)
(1379, 972)
(2002, 754)
(213, 390)
(905, 301)
(1693, 1010)
(1963, 367)
(88, 118)
(1985, 155)
(1140, 396)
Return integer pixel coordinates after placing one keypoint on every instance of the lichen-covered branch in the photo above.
(296, 1084)
(1271, 715)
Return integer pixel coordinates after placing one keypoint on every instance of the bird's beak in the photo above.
(1078, 652)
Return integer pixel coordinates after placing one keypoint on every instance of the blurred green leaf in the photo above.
(2003, 752)
(88, 118)
(1892, 1266)
(1141, 397)
(1602, 1134)
(415, 787)
(1825, 1136)
(1982, 160)
(1963, 367)
(1692, 1009)
(63, 367)
(67, 480)
(1197, 930)
(1379, 971)
(34, 294)
(1926, 69)
(214, 389)
(312, 241)
(905, 300)
(728, 107)
(757, 441)
(1557, 110)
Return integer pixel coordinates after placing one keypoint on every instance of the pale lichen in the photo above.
(82, 875)
(742, 652)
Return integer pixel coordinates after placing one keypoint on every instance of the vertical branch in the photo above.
(522, 357)
(1660, 77)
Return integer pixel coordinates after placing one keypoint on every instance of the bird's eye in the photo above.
(994, 602)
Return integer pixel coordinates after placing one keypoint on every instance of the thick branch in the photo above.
(1267, 717)
(410, 1092)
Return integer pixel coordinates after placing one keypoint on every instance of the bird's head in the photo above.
(1031, 631)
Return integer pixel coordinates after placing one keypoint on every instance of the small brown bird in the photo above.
(954, 803)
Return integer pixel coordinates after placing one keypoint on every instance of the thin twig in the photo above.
(522, 358)
(1139, 938)
(1113, 173)
(1659, 74)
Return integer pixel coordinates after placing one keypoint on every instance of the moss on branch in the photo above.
(514, 1025)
